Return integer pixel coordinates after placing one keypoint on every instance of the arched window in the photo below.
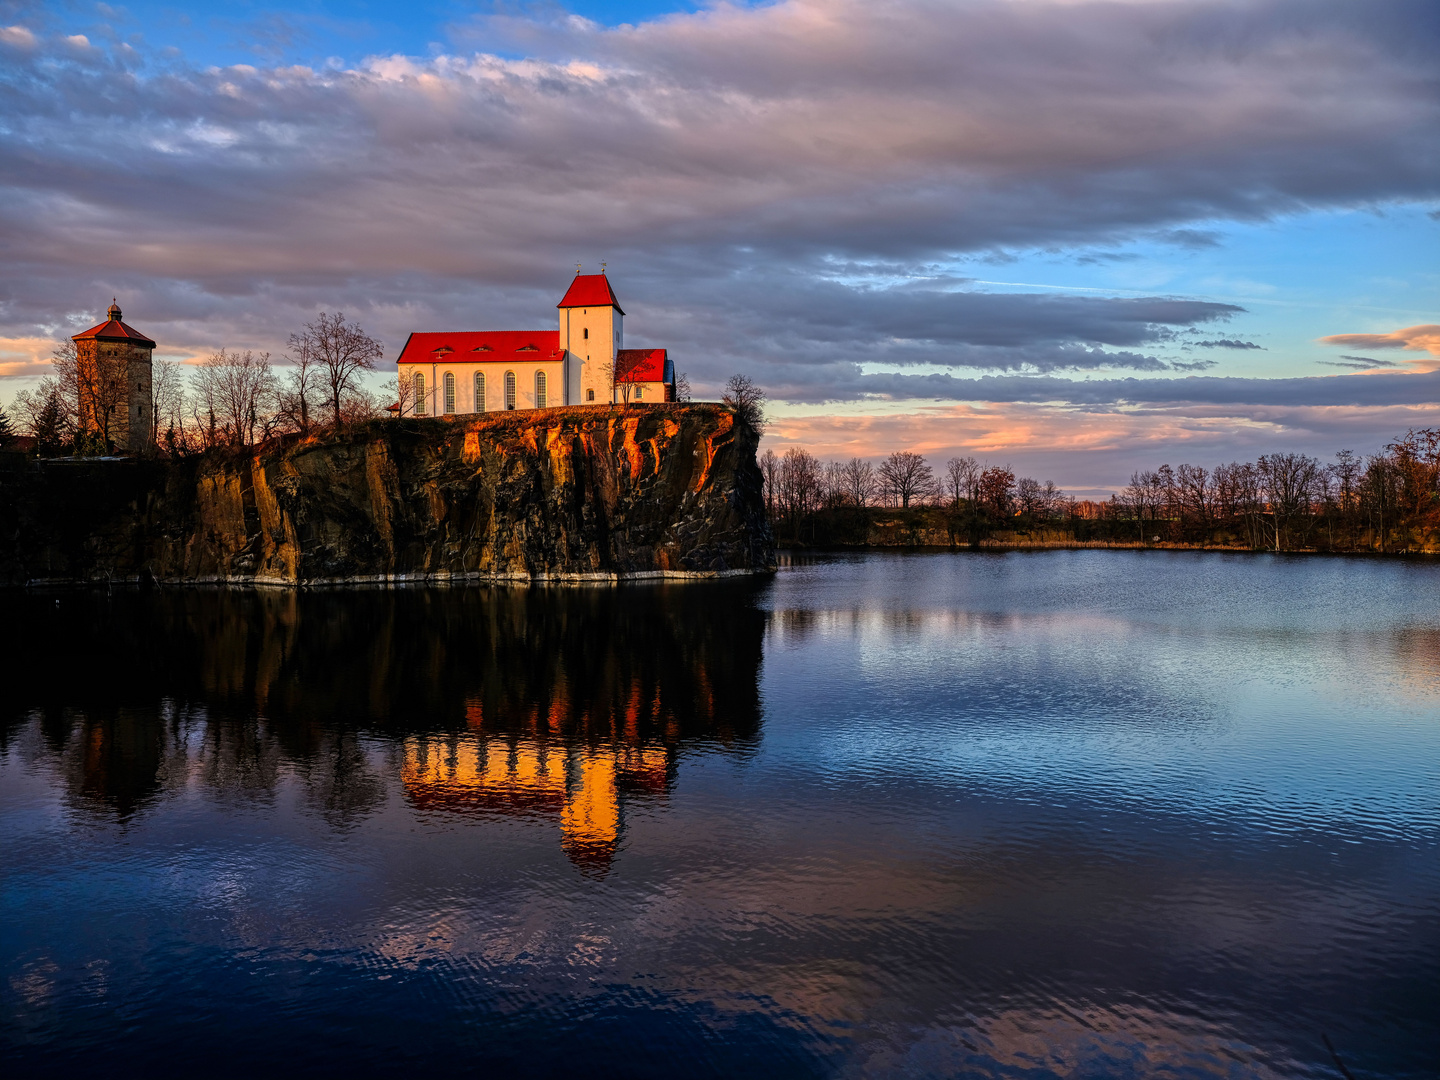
(449, 391)
(540, 397)
(585, 334)
(479, 391)
(509, 389)
(418, 383)
(589, 395)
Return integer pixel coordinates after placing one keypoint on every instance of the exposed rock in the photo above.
(575, 493)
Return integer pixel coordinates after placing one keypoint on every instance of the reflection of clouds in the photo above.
(1285, 728)
(1072, 1039)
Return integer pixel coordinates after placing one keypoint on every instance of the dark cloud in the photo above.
(1227, 343)
(774, 185)
(1324, 391)
(1358, 363)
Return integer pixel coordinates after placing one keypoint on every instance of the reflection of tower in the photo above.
(590, 822)
(583, 786)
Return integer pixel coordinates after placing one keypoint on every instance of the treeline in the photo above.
(236, 399)
(1385, 502)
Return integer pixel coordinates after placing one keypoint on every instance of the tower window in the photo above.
(509, 389)
(479, 391)
(540, 397)
(449, 391)
(585, 333)
(589, 395)
(418, 383)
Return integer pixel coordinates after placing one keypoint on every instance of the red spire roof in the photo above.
(115, 330)
(590, 290)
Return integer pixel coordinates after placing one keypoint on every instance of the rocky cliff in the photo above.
(567, 494)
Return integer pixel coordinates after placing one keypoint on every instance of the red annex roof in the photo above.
(642, 365)
(590, 290)
(482, 347)
(115, 330)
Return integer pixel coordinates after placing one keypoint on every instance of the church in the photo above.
(583, 362)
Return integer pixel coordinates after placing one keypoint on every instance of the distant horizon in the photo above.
(1078, 239)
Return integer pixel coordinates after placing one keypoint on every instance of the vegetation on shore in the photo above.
(1387, 503)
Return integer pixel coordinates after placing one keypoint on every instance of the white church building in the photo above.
(584, 362)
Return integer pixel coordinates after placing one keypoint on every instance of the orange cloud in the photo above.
(1425, 338)
(22, 356)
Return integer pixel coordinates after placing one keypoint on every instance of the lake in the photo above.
(1049, 814)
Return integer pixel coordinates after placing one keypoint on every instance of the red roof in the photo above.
(642, 365)
(590, 290)
(482, 347)
(115, 330)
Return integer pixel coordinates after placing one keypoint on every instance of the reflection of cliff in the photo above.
(577, 700)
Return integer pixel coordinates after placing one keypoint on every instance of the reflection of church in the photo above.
(585, 787)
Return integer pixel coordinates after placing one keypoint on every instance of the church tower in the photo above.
(112, 361)
(591, 330)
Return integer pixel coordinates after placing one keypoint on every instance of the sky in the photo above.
(1075, 237)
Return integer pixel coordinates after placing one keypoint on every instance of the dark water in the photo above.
(1085, 814)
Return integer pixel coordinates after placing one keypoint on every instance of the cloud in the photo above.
(22, 357)
(1359, 363)
(1414, 338)
(17, 36)
(778, 188)
(1319, 391)
(1227, 343)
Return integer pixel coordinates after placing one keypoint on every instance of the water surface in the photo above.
(1067, 814)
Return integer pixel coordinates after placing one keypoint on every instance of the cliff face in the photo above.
(555, 494)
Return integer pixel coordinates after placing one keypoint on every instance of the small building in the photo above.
(583, 362)
(113, 365)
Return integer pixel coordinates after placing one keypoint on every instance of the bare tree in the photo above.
(1288, 481)
(238, 390)
(1030, 494)
(770, 470)
(961, 475)
(682, 387)
(746, 400)
(800, 482)
(339, 351)
(1194, 493)
(90, 390)
(858, 476)
(167, 398)
(905, 476)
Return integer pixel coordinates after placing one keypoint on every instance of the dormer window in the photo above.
(444, 350)
(527, 348)
(482, 348)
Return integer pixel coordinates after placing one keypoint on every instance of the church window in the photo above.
(509, 389)
(449, 391)
(639, 392)
(540, 397)
(419, 384)
(479, 391)
(589, 395)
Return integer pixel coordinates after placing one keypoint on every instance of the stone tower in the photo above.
(592, 329)
(112, 361)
